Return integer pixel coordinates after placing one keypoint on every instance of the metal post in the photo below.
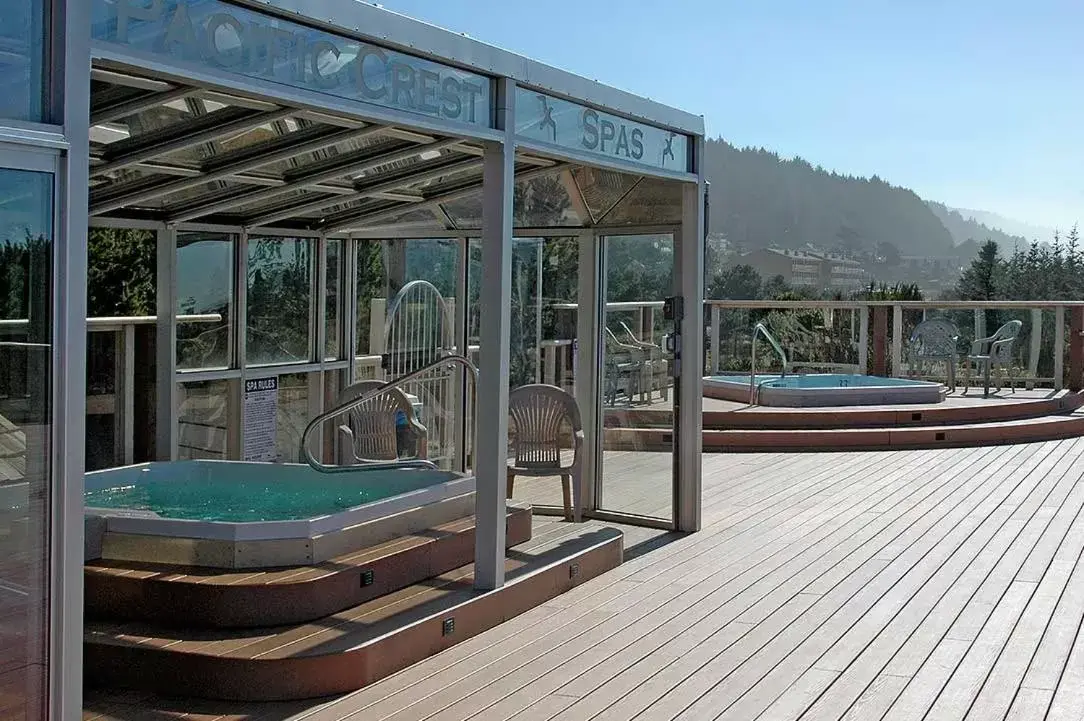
(897, 340)
(72, 55)
(863, 340)
(166, 431)
(587, 365)
(1059, 347)
(126, 407)
(464, 404)
(716, 343)
(689, 395)
(1036, 345)
(498, 186)
(538, 313)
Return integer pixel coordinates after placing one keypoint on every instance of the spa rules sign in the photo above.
(261, 409)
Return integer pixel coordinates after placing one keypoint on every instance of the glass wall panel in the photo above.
(333, 284)
(545, 285)
(203, 417)
(205, 300)
(26, 336)
(280, 289)
(403, 325)
(637, 397)
(292, 417)
(22, 60)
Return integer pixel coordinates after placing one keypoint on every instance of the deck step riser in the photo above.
(188, 673)
(247, 605)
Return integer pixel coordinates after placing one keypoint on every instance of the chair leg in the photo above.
(566, 493)
(511, 482)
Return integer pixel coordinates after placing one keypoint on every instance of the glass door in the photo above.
(636, 459)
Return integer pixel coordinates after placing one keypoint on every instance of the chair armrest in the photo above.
(347, 435)
(979, 346)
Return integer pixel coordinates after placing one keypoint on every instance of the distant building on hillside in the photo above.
(801, 268)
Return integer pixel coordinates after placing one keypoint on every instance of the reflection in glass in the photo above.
(204, 299)
(333, 282)
(22, 60)
(203, 417)
(280, 275)
(26, 243)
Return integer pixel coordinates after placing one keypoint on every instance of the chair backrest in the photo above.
(1002, 342)
(538, 412)
(374, 422)
(934, 339)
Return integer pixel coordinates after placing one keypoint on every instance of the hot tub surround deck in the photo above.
(823, 389)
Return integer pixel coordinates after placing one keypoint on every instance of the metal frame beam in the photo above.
(376, 190)
(495, 301)
(346, 225)
(304, 180)
(230, 166)
(224, 123)
(126, 108)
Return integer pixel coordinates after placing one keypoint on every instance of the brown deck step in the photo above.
(350, 649)
(1028, 430)
(1005, 408)
(208, 597)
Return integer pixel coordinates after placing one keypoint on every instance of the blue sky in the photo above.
(979, 104)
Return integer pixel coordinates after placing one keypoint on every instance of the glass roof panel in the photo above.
(601, 189)
(540, 202)
(652, 202)
(411, 220)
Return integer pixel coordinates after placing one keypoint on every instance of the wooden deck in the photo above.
(939, 584)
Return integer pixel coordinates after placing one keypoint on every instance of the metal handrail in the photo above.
(306, 454)
(761, 329)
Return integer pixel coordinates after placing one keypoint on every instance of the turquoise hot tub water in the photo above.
(822, 380)
(248, 492)
(823, 389)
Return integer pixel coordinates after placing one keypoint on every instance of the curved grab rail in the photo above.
(306, 454)
(761, 329)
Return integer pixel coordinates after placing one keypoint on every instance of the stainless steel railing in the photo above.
(758, 330)
(306, 453)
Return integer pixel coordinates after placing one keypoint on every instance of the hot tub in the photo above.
(823, 389)
(243, 515)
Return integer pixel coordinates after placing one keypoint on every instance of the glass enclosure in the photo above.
(26, 344)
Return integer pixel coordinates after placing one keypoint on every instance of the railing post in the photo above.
(126, 356)
(897, 341)
(980, 323)
(1076, 349)
(716, 344)
(1059, 347)
(863, 340)
(1036, 346)
(880, 338)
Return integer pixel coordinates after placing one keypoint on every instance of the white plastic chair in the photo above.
(935, 340)
(539, 413)
(993, 352)
(371, 432)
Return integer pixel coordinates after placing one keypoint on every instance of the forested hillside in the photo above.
(968, 228)
(759, 199)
